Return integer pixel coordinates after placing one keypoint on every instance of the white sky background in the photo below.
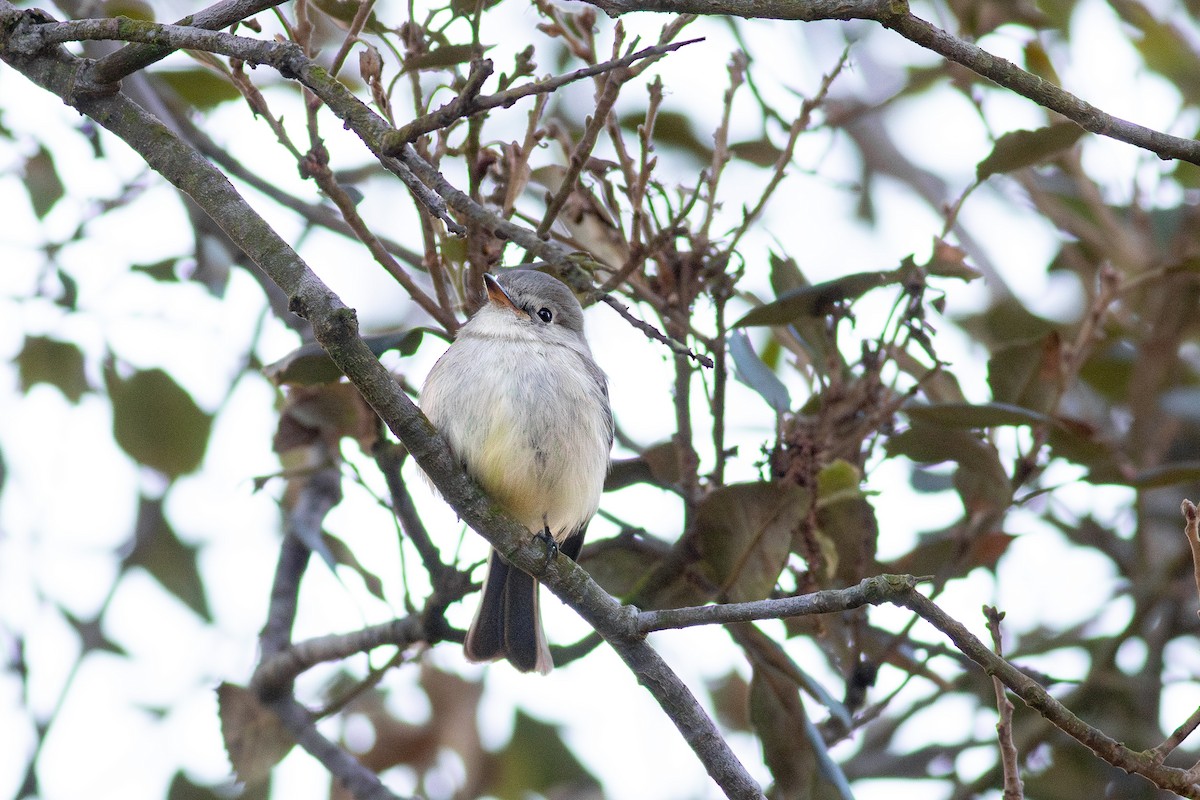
(70, 496)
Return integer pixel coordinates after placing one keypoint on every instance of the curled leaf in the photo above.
(819, 299)
(751, 371)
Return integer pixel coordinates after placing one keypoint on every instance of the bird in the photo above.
(524, 407)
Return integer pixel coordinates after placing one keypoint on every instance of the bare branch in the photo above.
(1177, 738)
(870, 591)
(1036, 697)
(464, 106)
(276, 672)
(359, 780)
(1009, 758)
(809, 11)
(607, 98)
(1040, 91)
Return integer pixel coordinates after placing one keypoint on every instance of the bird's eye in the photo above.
(545, 314)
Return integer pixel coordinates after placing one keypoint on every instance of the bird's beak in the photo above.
(498, 297)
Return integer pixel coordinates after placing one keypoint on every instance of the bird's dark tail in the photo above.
(508, 623)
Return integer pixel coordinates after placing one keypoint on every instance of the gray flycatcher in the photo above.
(524, 407)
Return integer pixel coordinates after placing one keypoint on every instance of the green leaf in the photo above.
(1027, 374)
(1167, 475)
(657, 465)
(819, 299)
(1023, 148)
(744, 532)
(622, 564)
(344, 11)
(60, 364)
(968, 415)
(785, 275)
(134, 9)
(980, 478)
(730, 699)
(838, 480)
(1108, 370)
(760, 152)
(537, 761)
(182, 788)
(846, 526)
(948, 553)
(42, 182)
(92, 635)
(310, 364)
(467, 8)
(673, 129)
(157, 423)
(342, 554)
(199, 87)
(1006, 322)
(158, 550)
(161, 271)
(1164, 47)
(1081, 444)
(69, 296)
(779, 719)
(1037, 61)
(444, 57)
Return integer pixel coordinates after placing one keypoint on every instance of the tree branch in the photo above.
(870, 591)
(1036, 697)
(360, 781)
(1045, 94)
(901, 590)
(277, 671)
(806, 11)
(895, 14)
(132, 58)
(466, 105)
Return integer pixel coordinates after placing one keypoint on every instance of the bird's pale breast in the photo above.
(530, 422)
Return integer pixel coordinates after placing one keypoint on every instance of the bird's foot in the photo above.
(546, 538)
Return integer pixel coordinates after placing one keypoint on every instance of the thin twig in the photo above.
(1010, 761)
(1176, 738)
(583, 148)
(463, 107)
(720, 152)
(779, 170)
(653, 333)
(321, 174)
(356, 25)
